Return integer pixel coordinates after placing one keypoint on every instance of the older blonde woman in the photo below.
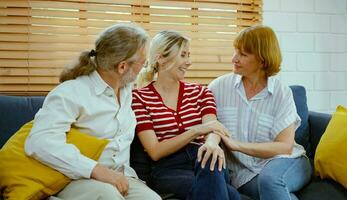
(261, 116)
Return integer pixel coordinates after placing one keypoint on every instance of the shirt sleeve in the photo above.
(143, 118)
(286, 113)
(208, 104)
(47, 139)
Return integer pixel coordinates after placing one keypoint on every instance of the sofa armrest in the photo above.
(318, 122)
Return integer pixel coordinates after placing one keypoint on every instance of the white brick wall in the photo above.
(313, 40)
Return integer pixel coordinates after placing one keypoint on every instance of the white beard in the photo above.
(128, 77)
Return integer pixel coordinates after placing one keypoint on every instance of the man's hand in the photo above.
(112, 177)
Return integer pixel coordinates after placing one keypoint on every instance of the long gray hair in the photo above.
(115, 44)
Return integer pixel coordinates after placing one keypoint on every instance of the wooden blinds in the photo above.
(38, 38)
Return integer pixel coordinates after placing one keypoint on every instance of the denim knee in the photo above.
(268, 179)
(207, 169)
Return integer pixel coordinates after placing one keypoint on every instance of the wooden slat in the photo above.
(4, 72)
(8, 63)
(25, 88)
(37, 55)
(29, 80)
(44, 46)
(11, 37)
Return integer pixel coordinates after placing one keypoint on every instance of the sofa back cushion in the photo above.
(15, 111)
(302, 133)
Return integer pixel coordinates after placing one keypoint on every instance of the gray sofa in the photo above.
(16, 111)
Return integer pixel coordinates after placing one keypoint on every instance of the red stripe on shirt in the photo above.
(194, 101)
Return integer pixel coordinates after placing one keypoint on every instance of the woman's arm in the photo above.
(157, 150)
(283, 144)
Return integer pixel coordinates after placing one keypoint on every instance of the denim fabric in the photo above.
(279, 179)
(182, 175)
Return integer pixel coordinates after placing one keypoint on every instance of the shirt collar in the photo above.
(270, 83)
(237, 80)
(99, 84)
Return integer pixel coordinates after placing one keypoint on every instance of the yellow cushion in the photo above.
(330, 160)
(22, 177)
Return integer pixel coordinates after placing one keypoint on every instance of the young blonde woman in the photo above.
(175, 121)
(261, 116)
(95, 97)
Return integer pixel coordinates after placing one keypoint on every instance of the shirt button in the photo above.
(180, 124)
(175, 114)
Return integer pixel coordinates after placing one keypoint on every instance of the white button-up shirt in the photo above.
(90, 105)
(257, 120)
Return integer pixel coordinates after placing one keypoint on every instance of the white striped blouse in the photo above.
(259, 119)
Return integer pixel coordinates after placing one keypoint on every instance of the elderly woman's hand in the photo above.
(229, 143)
(211, 126)
(205, 152)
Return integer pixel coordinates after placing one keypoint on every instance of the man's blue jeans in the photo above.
(180, 174)
(279, 179)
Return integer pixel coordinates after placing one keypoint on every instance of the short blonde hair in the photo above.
(262, 42)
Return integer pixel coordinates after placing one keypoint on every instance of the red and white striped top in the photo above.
(194, 101)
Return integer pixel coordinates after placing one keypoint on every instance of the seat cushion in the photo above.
(302, 133)
(322, 190)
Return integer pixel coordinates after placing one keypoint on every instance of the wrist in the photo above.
(194, 133)
(97, 172)
(238, 146)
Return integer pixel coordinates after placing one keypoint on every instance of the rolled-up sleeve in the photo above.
(286, 114)
(47, 139)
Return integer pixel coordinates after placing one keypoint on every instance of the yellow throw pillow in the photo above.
(22, 177)
(330, 160)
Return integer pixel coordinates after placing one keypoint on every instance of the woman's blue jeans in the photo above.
(180, 174)
(279, 179)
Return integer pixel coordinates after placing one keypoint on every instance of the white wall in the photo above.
(313, 39)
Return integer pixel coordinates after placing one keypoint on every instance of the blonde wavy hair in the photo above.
(166, 44)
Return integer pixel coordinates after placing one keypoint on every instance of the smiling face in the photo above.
(170, 55)
(246, 64)
(177, 67)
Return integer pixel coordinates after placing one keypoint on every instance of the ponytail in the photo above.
(84, 66)
(146, 75)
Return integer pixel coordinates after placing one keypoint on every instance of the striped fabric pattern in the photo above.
(194, 101)
(257, 120)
